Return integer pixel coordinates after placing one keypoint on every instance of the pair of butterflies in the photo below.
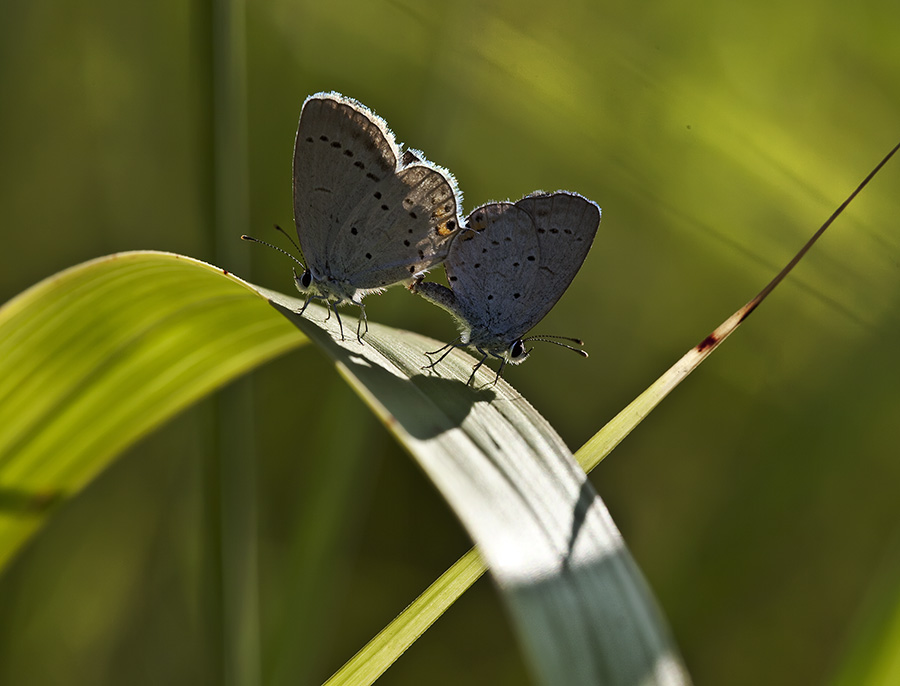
(369, 217)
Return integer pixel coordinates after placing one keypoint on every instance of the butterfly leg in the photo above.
(500, 370)
(363, 319)
(477, 366)
(334, 306)
(309, 298)
(452, 344)
(449, 348)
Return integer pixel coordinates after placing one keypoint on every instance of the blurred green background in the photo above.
(760, 499)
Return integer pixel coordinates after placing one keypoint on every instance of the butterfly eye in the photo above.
(304, 280)
(517, 350)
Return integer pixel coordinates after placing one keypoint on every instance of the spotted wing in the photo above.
(361, 217)
(566, 224)
(491, 270)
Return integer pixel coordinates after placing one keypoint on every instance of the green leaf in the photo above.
(93, 358)
(377, 655)
(580, 605)
(96, 356)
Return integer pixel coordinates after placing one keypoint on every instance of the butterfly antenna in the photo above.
(293, 242)
(557, 340)
(245, 237)
(542, 336)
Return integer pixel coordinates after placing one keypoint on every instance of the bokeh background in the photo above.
(760, 499)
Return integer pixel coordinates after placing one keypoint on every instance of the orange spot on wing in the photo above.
(444, 229)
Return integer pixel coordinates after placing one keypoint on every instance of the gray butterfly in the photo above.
(509, 268)
(366, 217)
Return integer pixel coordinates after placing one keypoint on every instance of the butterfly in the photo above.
(509, 268)
(367, 216)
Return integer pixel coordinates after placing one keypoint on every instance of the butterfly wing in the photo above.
(489, 269)
(361, 218)
(404, 230)
(338, 144)
(566, 224)
(509, 274)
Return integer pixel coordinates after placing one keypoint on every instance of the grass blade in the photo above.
(95, 357)
(385, 648)
(580, 605)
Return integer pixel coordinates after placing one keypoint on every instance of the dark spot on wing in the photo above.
(354, 230)
(445, 229)
(377, 195)
(368, 256)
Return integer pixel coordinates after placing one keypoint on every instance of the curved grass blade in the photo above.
(580, 605)
(94, 357)
(385, 648)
